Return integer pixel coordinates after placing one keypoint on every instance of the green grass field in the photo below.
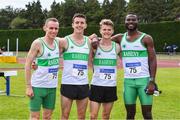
(165, 106)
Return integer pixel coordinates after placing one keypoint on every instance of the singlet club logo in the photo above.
(49, 54)
(124, 46)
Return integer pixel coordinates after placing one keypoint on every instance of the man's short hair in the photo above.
(106, 22)
(132, 13)
(51, 19)
(80, 15)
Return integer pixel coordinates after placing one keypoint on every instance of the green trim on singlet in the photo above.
(52, 49)
(139, 38)
(65, 49)
(42, 48)
(142, 42)
(48, 62)
(76, 56)
(76, 43)
(105, 62)
(57, 42)
(112, 46)
(115, 47)
(134, 53)
(117, 54)
(87, 40)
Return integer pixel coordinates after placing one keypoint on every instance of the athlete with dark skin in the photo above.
(131, 24)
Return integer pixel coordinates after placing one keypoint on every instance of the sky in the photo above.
(21, 3)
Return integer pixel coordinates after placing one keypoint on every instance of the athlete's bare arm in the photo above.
(91, 56)
(34, 51)
(117, 48)
(62, 44)
(152, 61)
(117, 38)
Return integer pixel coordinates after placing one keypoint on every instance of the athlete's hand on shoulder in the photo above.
(63, 43)
(94, 41)
(91, 37)
(29, 91)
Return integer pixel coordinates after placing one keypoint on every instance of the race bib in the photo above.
(79, 70)
(133, 68)
(107, 74)
(52, 73)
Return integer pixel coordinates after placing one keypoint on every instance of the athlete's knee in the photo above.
(131, 111)
(105, 115)
(65, 111)
(47, 116)
(47, 113)
(65, 116)
(81, 114)
(130, 115)
(147, 115)
(146, 111)
(81, 117)
(93, 116)
(34, 116)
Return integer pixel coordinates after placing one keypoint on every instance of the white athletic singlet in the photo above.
(76, 57)
(105, 67)
(46, 75)
(135, 58)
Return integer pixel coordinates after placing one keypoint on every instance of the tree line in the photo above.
(33, 16)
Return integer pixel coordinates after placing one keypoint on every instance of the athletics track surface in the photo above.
(160, 64)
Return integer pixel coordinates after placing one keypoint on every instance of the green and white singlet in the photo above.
(135, 58)
(76, 57)
(105, 67)
(46, 75)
